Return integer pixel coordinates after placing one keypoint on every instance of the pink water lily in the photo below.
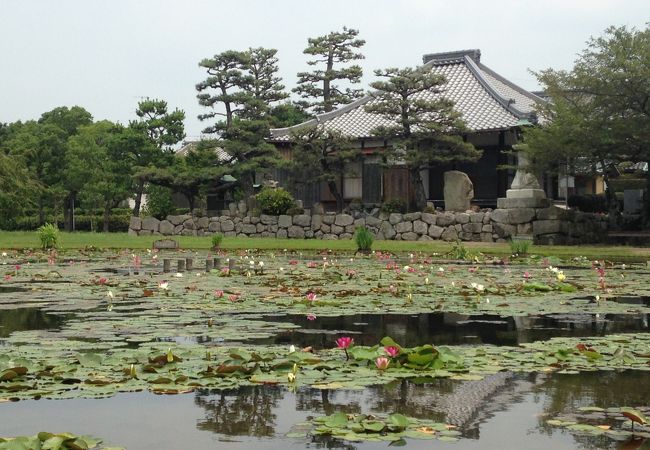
(391, 350)
(311, 317)
(345, 342)
(527, 275)
(382, 363)
(311, 296)
(218, 293)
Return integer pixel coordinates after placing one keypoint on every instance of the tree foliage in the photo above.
(424, 128)
(319, 155)
(331, 52)
(599, 114)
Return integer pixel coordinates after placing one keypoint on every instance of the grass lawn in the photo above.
(78, 240)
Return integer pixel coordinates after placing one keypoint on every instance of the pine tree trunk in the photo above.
(334, 190)
(138, 198)
(107, 215)
(418, 189)
(646, 199)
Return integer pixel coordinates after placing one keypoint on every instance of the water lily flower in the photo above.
(292, 348)
(4, 254)
(218, 293)
(561, 276)
(261, 263)
(311, 317)
(311, 296)
(527, 275)
(391, 350)
(102, 281)
(233, 297)
(110, 294)
(344, 342)
(291, 377)
(293, 262)
(7, 277)
(178, 275)
(164, 285)
(426, 280)
(382, 363)
(441, 269)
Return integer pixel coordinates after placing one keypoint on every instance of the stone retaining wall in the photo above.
(550, 225)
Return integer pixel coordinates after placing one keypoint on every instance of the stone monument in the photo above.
(458, 191)
(525, 191)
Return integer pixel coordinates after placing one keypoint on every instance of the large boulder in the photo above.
(343, 220)
(150, 224)
(135, 223)
(166, 227)
(302, 220)
(458, 191)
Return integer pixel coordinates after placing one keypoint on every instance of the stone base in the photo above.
(523, 202)
(525, 193)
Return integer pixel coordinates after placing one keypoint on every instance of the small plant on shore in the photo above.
(49, 236)
(364, 239)
(459, 251)
(216, 240)
(519, 246)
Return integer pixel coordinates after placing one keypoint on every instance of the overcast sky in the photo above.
(107, 55)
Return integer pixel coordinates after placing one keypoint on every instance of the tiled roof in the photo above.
(486, 100)
(188, 146)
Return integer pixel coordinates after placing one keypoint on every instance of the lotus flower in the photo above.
(311, 296)
(344, 342)
(391, 350)
(382, 363)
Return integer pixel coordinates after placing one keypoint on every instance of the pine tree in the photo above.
(424, 128)
(331, 52)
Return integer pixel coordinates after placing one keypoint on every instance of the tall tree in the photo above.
(162, 129)
(331, 52)
(322, 156)
(16, 188)
(606, 98)
(423, 130)
(261, 82)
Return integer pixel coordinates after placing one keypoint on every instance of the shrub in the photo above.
(459, 251)
(394, 205)
(49, 236)
(364, 239)
(159, 202)
(217, 238)
(519, 246)
(275, 201)
(429, 209)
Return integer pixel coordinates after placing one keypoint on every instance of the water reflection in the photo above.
(451, 328)
(24, 319)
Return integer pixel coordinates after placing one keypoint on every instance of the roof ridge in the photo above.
(456, 55)
(506, 103)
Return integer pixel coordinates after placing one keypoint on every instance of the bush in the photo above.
(217, 238)
(429, 209)
(364, 239)
(275, 201)
(519, 246)
(49, 236)
(459, 251)
(394, 205)
(594, 203)
(159, 202)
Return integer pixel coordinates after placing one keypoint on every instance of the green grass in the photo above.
(79, 240)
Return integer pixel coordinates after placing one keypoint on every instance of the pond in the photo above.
(492, 354)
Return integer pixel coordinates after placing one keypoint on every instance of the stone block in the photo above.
(552, 213)
(550, 239)
(178, 229)
(150, 223)
(166, 227)
(487, 228)
(227, 225)
(248, 228)
(135, 223)
(285, 221)
(268, 220)
(520, 215)
(349, 229)
(486, 237)
(260, 227)
(450, 234)
(462, 218)
(177, 220)
(202, 223)
(132, 232)
(395, 218)
(343, 236)
(504, 230)
(525, 228)
(309, 234)
(487, 217)
(316, 222)
(214, 227)
(165, 244)
(472, 227)
(326, 228)
(425, 238)
(435, 231)
(343, 220)
(458, 227)
(361, 222)
(547, 227)
(296, 232)
(508, 203)
(409, 236)
(254, 220)
(187, 232)
(189, 224)
(335, 229)
(413, 216)
(420, 227)
(330, 237)
(144, 233)
(476, 217)
(429, 219)
(372, 221)
(329, 218)
(230, 234)
(302, 220)
(458, 191)
(403, 227)
(281, 234)
(446, 219)
(500, 216)
(387, 230)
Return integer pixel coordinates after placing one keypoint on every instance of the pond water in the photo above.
(502, 411)
(97, 304)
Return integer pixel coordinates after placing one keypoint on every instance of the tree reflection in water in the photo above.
(23, 319)
(247, 411)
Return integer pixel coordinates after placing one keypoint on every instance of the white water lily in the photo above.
(164, 285)
(426, 280)
(178, 275)
(110, 294)
(292, 348)
(441, 269)
(261, 263)
(4, 254)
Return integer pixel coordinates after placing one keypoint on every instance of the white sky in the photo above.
(107, 55)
